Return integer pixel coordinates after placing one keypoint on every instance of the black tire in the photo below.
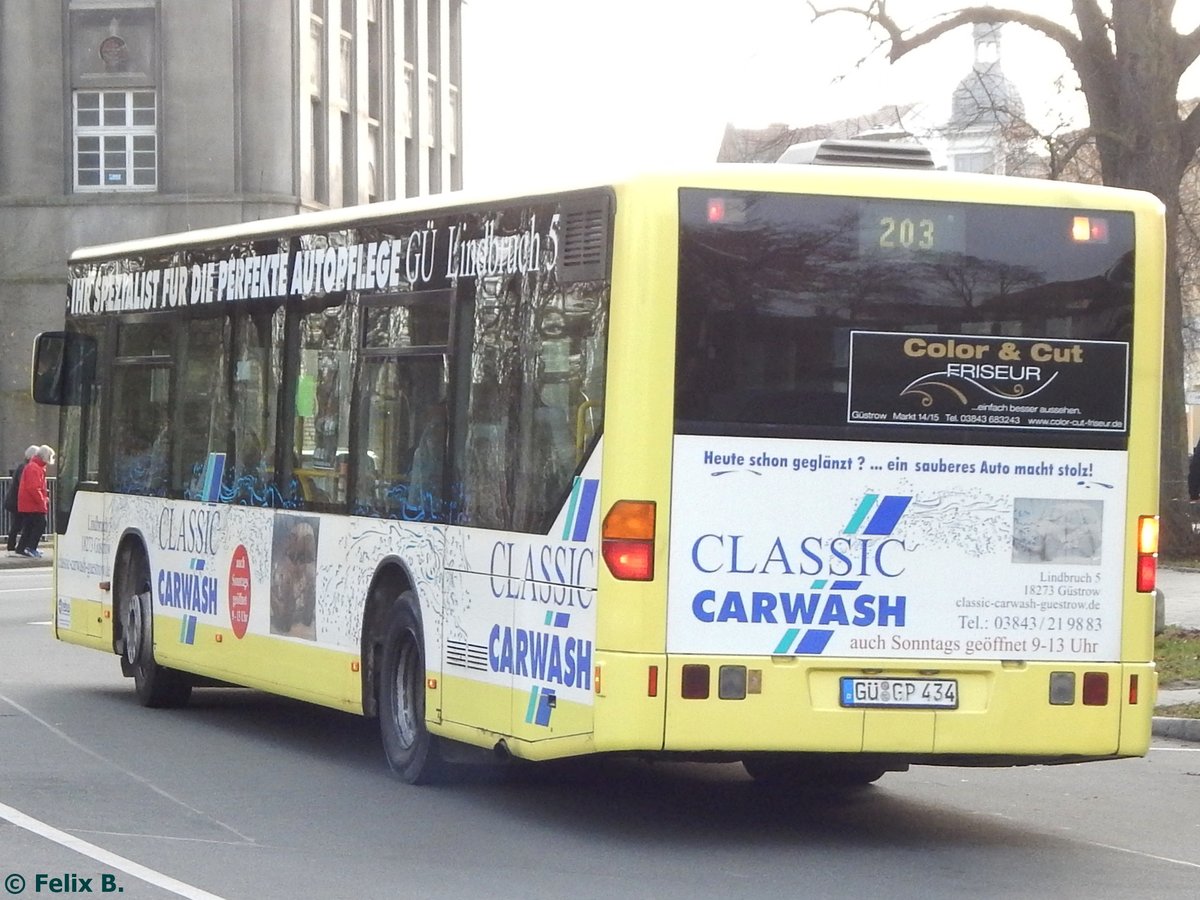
(156, 686)
(413, 754)
(810, 771)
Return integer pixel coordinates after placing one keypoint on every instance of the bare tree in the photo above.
(1129, 64)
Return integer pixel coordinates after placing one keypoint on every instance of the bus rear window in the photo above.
(815, 312)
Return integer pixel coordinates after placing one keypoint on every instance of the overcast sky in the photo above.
(558, 89)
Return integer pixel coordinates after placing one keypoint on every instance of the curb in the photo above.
(1180, 729)
(15, 562)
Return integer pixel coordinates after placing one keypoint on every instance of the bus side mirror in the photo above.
(64, 368)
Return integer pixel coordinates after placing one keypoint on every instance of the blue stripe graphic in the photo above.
(544, 707)
(541, 705)
(214, 471)
(814, 641)
(583, 516)
(887, 515)
(533, 704)
(566, 535)
(860, 514)
(785, 643)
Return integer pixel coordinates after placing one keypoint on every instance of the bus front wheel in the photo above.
(413, 754)
(156, 686)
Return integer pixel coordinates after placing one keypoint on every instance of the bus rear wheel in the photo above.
(156, 686)
(413, 754)
(812, 771)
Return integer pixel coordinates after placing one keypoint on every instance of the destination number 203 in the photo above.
(896, 233)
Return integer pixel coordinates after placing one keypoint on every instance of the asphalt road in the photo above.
(243, 795)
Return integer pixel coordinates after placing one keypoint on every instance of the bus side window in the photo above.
(321, 423)
(204, 407)
(401, 443)
(534, 401)
(257, 374)
(141, 455)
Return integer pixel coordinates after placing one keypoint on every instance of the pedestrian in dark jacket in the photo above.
(33, 501)
(15, 519)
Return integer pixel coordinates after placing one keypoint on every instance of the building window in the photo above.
(346, 69)
(374, 164)
(349, 162)
(983, 162)
(116, 141)
(320, 152)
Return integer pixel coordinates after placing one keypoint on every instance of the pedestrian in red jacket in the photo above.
(33, 501)
(15, 520)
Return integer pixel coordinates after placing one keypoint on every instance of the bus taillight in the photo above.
(1147, 553)
(627, 540)
(1089, 229)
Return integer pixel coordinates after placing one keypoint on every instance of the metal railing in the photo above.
(5, 518)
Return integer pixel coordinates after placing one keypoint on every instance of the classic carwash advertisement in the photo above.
(873, 549)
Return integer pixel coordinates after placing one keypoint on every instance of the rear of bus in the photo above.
(916, 441)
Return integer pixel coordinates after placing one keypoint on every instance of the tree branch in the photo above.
(1187, 49)
(876, 13)
(1189, 134)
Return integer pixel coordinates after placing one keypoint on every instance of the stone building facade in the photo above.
(122, 119)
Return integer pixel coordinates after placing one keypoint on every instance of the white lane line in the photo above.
(104, 857)
(1175, 749)
(126, 772)
(1154, 856)
(163, 837)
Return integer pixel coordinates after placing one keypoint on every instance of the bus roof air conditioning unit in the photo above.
(859, 153)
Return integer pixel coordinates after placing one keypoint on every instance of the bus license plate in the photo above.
(905, 693)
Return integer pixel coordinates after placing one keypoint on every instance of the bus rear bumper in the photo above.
(1003, 712)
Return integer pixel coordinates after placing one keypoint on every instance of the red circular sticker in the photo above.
(239, 591)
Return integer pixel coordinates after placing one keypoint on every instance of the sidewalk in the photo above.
(10, 561)
(1181, 606)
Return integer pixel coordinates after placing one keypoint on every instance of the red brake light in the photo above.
(694, 684)
(1089, 229)
(1147, 549)
(1095, 689)
(627, 540)
(630, 560)
(1147, 573)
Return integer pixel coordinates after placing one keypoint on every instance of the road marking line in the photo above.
(1178, 862)
(1176, 749)
(46, 622)
(105, 857)
(163, 837)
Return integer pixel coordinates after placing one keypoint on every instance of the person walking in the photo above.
(33, 501)
(15, 519)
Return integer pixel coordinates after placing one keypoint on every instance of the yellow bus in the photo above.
(827, 469)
